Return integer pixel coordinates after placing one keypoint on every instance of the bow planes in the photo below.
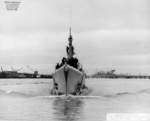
(69, 76)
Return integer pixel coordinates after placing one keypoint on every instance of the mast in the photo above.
(70, 39)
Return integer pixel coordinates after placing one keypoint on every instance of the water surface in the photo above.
(30, 100)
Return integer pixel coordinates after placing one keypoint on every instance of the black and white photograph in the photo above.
(74, 60)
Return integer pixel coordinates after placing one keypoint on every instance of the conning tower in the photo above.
(70, 48)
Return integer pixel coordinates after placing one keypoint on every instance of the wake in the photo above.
(91, 94)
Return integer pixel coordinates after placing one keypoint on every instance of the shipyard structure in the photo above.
(16, 74)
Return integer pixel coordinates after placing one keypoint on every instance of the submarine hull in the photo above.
(68, 80)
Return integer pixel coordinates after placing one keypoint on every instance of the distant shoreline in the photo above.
(113, 75)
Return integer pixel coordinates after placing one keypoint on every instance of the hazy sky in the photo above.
(107, 34)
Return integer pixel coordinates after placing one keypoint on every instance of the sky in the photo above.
(108, 34)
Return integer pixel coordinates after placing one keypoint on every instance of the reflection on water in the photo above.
(67, 108)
